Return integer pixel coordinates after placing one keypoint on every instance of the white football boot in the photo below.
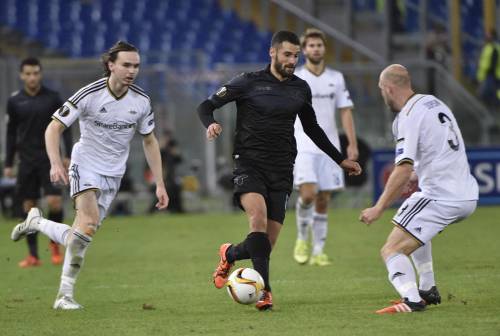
(66, 302)
(30, 225)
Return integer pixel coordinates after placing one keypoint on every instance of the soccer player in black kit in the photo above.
(268, 102)
(29, 111)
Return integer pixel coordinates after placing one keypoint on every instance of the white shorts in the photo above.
(319, 169)
(424, 218)
(106, 187)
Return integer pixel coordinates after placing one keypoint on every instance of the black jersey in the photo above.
(266, 113)
(29, 116)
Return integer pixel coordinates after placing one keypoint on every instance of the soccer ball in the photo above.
(245, 285)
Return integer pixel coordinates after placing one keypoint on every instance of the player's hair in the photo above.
(284, 36)
(314, 33)
(112, 54)
(30, 61)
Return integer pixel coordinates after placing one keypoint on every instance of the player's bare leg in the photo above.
(84, 228)
(304, 215)
(320, 230)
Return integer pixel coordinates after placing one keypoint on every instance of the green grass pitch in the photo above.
(166, 261)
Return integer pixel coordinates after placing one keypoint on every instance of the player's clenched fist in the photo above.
(213, 131)
(352, 167)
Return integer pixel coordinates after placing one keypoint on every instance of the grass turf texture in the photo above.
(165, 263)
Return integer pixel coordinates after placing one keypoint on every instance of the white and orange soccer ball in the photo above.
(245, 285)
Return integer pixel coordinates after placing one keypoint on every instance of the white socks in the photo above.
(55, 231)
(78, 243)
(402, 276)
(319, 232)
(304, 214)
(422, 259)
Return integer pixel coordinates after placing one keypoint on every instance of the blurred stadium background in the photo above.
(190, 47)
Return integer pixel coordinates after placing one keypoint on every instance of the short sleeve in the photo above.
(68, 113)
(407, 141)
(343, 95)
(231, 91)
(146, 123)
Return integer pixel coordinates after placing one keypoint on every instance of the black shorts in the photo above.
(33, 177)
(274, 185)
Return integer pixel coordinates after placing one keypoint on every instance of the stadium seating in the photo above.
(159, 28)
(472, 24)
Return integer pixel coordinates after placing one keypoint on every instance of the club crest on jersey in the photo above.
(63, 111)
(221, 92)
(240, 179)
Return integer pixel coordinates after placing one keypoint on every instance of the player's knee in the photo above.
(88, 223)
(308, 197)
(387, 250)
(258, 220)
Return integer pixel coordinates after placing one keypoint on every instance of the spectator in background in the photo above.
(29, 112)
(488, 70)
(171, 158)
(437, 49)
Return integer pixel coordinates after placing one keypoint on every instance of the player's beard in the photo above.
(281, 68)
(315, 60)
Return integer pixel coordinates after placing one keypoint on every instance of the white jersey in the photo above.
(427, 135)
(107, 125)
(329, 93)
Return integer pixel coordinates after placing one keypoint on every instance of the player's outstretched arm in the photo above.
(58, 174)
(318, 136)
(153, 157)
(397, 181)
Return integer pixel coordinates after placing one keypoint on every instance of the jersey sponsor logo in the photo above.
(103, 110)
(331, 84)
(221, 92)
(324, 96)
(63, 111)
(263, 88)
(132, 112)
(113, 126)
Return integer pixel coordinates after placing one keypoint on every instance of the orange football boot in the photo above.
(403, 307)
(30, 261)
(222, 271)
(265, 302)
(56, 257)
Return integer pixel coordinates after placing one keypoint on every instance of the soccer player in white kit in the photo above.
(315, 174)
(109, 111)
(429, 144)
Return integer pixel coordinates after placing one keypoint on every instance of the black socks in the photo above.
(56, 216)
